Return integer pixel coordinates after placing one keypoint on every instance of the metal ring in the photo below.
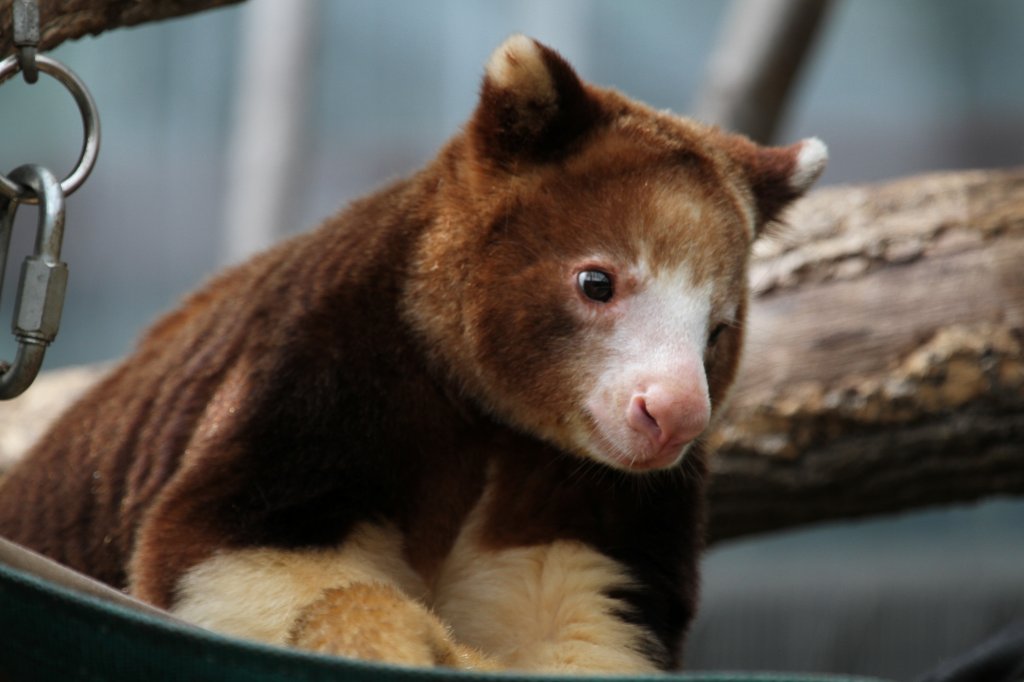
(90, 124)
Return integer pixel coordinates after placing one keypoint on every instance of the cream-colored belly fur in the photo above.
(540, 608)
(260, 593)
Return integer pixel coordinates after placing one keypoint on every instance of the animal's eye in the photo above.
(596, 285)
(715, 333)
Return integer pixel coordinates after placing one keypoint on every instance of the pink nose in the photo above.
(668, 418)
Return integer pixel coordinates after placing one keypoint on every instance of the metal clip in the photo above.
(26, 37)
(43, 278)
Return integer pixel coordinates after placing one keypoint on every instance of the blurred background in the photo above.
(369, 89)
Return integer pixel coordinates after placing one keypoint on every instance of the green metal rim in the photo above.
(48, 632)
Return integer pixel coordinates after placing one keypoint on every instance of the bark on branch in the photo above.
(885, 364)
(62, 20)
(884, 367)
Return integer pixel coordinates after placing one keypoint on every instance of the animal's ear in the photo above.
(532, 106)
(778, 175)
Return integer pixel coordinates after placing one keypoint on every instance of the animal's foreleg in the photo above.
(360, 600)
(543, 609)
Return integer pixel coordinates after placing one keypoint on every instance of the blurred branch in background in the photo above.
(269, 117)
(755, 62)
(68, 19)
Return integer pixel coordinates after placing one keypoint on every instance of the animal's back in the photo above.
(81, 492)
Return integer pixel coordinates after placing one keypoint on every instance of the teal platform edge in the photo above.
(50, 632)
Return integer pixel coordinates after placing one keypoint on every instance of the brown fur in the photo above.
(382, 367)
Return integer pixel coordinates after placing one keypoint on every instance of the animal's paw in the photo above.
(374, 621)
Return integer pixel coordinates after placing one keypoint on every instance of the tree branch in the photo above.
(62, 20)
(755, 62)
(885, 364)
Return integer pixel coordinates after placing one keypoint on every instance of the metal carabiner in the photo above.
(43, 278)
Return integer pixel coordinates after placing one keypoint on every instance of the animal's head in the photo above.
(586, 278)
